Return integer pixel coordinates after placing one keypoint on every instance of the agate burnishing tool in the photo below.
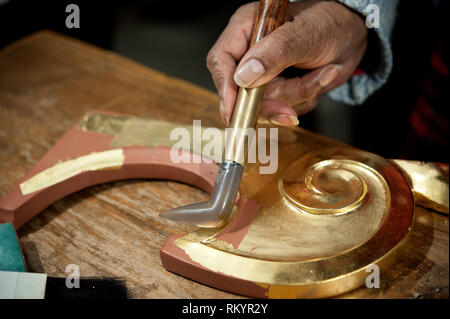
(218, 210)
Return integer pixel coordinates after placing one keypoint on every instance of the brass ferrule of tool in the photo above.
(245, 116)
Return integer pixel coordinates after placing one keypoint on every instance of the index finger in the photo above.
(226, 53)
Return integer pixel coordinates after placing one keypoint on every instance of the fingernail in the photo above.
(249, 72)
(329, 75)
(285, 120)
(262, 120)
(222, 112)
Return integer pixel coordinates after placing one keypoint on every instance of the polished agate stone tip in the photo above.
(217, 211)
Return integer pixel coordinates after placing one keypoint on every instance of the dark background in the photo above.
(175, 37)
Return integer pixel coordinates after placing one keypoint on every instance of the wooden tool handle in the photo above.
(270, 16)
(248, 101)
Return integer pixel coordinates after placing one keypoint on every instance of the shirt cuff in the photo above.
(361, 85)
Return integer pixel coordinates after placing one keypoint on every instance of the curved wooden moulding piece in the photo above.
(31, 196)
(88, 154)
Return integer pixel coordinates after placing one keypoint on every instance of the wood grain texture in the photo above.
(47, 83)
(270, 16)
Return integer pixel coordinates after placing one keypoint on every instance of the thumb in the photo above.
(267, 58)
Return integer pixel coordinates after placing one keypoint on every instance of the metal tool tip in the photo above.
(218, 210)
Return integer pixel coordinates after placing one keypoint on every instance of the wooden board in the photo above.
(47, 83)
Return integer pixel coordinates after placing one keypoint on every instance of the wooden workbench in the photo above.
(47, 83)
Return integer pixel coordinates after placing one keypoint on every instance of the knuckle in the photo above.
(219, 79)
(318, 40)
(305, 107)
(285, 47)
(212, 63)
(244, 13)
(304, 93)
(274, 90)
(212, 60)
(249, 8)
(209, 59)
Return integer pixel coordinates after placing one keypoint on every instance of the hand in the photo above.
(324, 36)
